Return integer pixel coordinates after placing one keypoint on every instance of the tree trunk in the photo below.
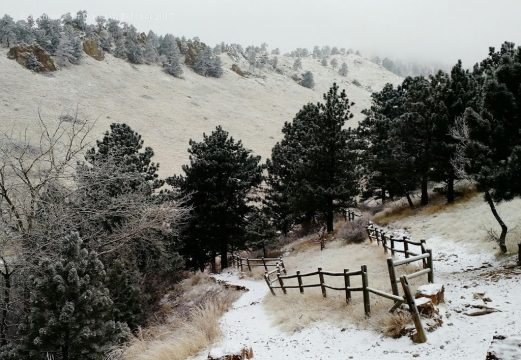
(383, 195)
(450, 187)
(5, 307)
(425, 191)
(224, 255)
(329, 216)
(212, 261)
(504, 228)
(264, 252)
(409, 200)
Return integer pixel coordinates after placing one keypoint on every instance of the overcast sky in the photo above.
(426, 30)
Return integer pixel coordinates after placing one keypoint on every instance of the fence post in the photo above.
(281, 283)
(264, 263)
(267, 278)
(429, 264)
(368, 229)
(384, 241)
(406, 247)
(240, 263)
(321, 277)
(365, 285)
(519, 254)
(391, 239)
(299, 278)
(347, 282)
(414, 310)
(283, 266)
(376, 232)
(423, 243)
(392, 276)
(248, 263)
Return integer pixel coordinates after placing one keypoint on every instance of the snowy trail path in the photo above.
(461, 337)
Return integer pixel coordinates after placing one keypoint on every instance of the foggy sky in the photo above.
(424, 30)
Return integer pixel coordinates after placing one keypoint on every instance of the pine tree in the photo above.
(207, 64)
(151, 53)
(316, 160)
(219, 181)
(324, 62)
(297, 64)
(172, 66)
(33, 63)
(334, 63)
(307, 80)
(489, 135)
(343, 69)
(70, 307)
(70, 49)
(133, 46)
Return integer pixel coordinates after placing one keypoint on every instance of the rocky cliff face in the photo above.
(91, 48)
(23, 53)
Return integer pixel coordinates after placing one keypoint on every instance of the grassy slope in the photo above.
(169, 111)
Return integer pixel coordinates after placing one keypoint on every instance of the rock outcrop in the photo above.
(27, 55)
(91, 48)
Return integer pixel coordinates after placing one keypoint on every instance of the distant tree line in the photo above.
(62, 38)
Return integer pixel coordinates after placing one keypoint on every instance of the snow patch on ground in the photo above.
(464, 274)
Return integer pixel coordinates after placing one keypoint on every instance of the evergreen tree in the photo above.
(133, 46)
(259, 231)
(219, 182)
(297, 64)
(172, 66)
(490, 135)
(307, 80)
(70, 49)
(33, 63)
(207, 64)
(334, 63)
(317, 162)
(70, 307)
(151, 48)
(343, 69)
(324, 62)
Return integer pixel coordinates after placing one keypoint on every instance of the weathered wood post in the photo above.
(267, 278)
(264, 263)
(392, 276)
(424, 250)
(368, 229)
(248, 263)
(519, 254)
(365, 285)
(240, 263)
(347, 283)
(281, 283)
(391, 239)
(429, 265)
(299, 279)
(384, 241)
(283, 266)
(421, 337)
(321, 277)
(406, 247)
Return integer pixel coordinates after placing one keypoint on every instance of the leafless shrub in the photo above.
(396, 325)
(353, 231)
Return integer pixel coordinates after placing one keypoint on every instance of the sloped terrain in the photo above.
(168, 111)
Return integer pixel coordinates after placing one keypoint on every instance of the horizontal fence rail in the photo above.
(266, 263)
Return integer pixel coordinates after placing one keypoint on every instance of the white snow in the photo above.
(463, 274)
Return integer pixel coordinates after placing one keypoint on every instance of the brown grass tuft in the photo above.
(190, 322)
(395, 325)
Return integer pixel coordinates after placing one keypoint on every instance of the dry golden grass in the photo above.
(191, 322)
(437, 204)
(295, 311)
(395, 324)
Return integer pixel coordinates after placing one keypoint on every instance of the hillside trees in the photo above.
(343, 69)
(208, 64)
(313, 169)
(490, 145)
(219, 183)
(307, 80)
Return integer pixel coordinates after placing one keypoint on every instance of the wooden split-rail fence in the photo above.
(266, 263)
(275, 280)
(350, 215)
(419, 253)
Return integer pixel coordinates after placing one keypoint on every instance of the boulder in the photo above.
(21, 53)
(244, 354)
(435, 292)
(91, 48)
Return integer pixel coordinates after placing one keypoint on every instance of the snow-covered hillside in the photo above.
(168, 111)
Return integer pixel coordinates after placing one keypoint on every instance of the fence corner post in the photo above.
(365, 285)
(267, 278)
(421, 337)
(406, 247)
(281, 283)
